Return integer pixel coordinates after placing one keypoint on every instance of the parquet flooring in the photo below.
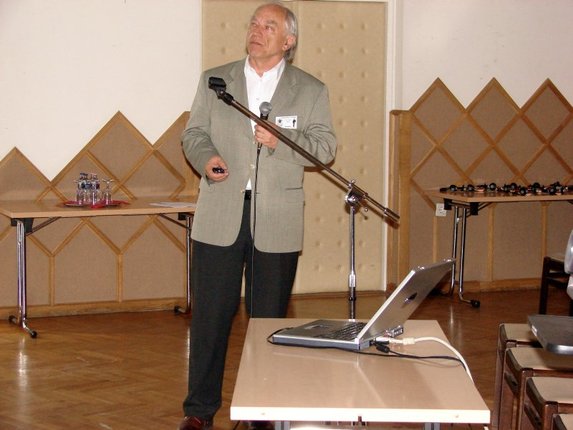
(129, 371)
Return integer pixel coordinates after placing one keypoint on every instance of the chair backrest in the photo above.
(568, 262)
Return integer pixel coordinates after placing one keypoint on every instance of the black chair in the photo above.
(552, 274)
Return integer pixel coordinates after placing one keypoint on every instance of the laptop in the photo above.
(554, 332)
(387, 321)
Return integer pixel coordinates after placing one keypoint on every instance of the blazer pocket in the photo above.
(294, 195)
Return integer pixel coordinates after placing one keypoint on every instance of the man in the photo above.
(249, 215)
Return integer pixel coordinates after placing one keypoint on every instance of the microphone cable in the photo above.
(264, 109)
(254, 197)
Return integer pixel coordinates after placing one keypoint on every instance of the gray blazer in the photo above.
(215, 128)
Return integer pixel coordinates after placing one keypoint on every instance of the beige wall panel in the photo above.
(54, 238)
(19, 178)
(423, 149)
(343, 44)
(490, 169)
(168, 147)
(493, 111)
(120, 147)
(562, 142)
(465, 144)
(443, 231)
(519, 145)
(420, 231)
(153, 178)
(547, 112)
(38, 274)
(120, 231)
(163, 277)
(546, 168)
(176, 231)
(398, 180)
(4, 226)
(76, 265)
(493, 140)
(477, 251)
(559, 216)
(224, 30)
(85, 270)
(517, 239)
(437, 112)
(435, 167)
(8, 283)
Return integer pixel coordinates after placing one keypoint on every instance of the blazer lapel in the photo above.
(285, 92)
(237, 87)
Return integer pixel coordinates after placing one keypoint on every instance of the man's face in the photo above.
(267, 38)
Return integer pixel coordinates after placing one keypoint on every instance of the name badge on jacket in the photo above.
(288, 122)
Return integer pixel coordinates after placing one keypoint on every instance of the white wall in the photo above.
(466, 43)
(67, 66)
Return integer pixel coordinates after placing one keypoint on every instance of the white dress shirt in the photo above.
(261, 89)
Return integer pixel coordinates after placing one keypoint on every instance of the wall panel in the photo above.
(101, 263)
(440, 142)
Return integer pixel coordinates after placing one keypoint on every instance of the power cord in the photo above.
(382, 344)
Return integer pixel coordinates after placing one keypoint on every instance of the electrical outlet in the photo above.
(440, 210)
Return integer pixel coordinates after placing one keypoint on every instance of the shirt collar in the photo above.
(275, 72)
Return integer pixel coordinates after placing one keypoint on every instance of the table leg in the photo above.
(454, 248)
(474, 303)
(460, 217)
(21, 318)
(179, 309)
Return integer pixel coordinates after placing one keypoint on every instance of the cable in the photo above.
(412, 341)
(385, 350)
(382, 345)
(254, 197)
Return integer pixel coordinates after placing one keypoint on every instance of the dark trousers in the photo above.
(216, 276)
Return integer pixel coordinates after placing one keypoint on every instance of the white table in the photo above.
(284, 383)
(23, 213)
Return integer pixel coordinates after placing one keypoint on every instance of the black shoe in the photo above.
(196, 423)
(260, 425)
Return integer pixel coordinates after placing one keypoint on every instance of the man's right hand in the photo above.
(216, 169)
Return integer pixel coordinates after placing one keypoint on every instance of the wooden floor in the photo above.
(129, 371)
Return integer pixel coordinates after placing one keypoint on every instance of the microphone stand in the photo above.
(355, 196)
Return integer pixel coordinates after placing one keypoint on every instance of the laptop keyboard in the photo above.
(348, 332)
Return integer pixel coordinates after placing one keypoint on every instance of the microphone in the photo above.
(265, 108)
